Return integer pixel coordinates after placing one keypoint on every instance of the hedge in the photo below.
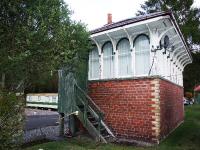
(11, 121)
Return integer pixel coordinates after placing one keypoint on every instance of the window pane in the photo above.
(108, 66)
(124, 58)
(94, 64)
(142, 63)
(142, 54)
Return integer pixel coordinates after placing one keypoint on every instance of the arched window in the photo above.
(108, 62)
(142, 55)
(124, 57)
(94, 63)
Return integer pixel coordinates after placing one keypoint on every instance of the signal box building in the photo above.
(135, 76)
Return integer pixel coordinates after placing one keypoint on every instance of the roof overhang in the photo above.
(124, 25)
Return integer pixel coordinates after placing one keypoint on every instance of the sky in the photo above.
(93, 13)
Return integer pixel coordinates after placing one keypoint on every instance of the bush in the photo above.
(11, 121)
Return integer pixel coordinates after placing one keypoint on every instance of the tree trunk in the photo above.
(3, 76)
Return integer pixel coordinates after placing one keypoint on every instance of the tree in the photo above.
(191, 73)
(186, 16)
(37, 38)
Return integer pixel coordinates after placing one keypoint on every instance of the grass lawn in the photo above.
(185, 137)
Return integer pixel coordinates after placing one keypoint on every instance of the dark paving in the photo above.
(40, 121)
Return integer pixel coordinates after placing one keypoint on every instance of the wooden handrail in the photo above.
(90, 100)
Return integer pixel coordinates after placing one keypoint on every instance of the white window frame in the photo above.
(131, 59)
(134, 58)
(90, 69)
(113, 61)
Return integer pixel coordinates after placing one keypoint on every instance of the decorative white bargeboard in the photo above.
(42, 100)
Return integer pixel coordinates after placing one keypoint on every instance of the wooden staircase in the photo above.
(91, 117)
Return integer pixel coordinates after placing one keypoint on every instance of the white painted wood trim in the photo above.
(131, 25)
(179, 36)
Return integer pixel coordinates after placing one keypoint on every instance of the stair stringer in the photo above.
(102, 122)
(90, 128)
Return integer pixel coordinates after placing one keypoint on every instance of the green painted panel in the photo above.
(68, 77)
(66, 96)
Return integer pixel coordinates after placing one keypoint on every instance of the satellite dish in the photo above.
(166, 42)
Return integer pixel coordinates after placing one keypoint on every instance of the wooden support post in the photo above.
(61, 124)
(71, 124)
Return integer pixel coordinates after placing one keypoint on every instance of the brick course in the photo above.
(172, 109)
(133, 107)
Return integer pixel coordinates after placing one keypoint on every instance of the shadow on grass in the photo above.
(187, 136)
(31, 144)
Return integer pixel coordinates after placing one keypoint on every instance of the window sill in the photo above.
(134, 78)
(124, 78)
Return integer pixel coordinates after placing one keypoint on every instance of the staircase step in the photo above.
(81, 107)
(91, 122)
(95, 123)
(89, 114)
(91, 118)
(107, 136)
(102, 129)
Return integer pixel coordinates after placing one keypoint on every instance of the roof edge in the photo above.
(143, 18)
(117, 24)
(181, 35)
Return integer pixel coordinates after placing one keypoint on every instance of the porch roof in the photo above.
(141, 18)
(129, 21)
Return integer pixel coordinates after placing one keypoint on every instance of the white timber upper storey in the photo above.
(138, 47)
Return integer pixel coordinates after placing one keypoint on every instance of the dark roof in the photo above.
(138, 19)
(129, 21)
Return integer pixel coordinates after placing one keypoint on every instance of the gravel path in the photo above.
(41, 132)
(33, 112)
(50, 133)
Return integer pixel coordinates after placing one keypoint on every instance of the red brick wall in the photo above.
(171, 104)
(132, 107)
(127, 107)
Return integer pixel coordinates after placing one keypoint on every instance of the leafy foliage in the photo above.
(37, 38)
(47, 83)
(191, 73)
(11, 121)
